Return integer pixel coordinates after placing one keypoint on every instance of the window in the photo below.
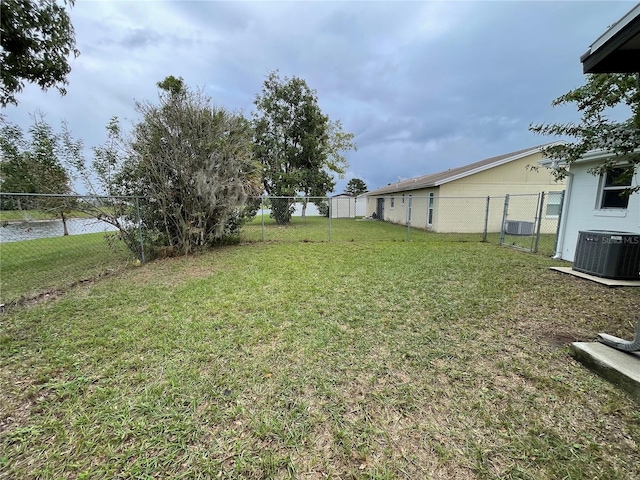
(553, 204)
(403, 199)
(614, 188)
(393, 201)
(430, 211)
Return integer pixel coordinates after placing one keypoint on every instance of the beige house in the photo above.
(471, 198)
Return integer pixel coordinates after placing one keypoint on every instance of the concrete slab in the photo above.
(609, 282)
(620, 368)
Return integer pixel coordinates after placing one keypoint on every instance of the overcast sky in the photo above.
(424, 86)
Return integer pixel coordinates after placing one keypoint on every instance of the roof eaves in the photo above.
(482, 168)
(459, 172)
(497, 163)
(597, 154)
(606, 53)
(612, 31)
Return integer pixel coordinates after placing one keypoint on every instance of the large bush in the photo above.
(191, 164)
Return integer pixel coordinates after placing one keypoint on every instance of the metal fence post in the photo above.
(329, 201)
(139, 220)
(262, 212)
(539, 220)
(486, 221)
(505, 212)
(409, 219)
(555, 243)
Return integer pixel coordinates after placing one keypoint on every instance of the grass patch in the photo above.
(320, 229)
(31, 267)
(31, 215)
(546, 243)
(364, 360)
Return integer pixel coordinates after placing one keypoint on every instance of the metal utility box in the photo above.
(518, 227)
(608, 254)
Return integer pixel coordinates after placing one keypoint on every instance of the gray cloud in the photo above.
(425, 86)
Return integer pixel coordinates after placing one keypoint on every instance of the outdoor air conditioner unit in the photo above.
(608, 254)
(518, 227)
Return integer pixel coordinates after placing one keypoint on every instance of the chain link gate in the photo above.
(530, 221)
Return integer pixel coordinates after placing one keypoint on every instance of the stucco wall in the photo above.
(460, 205)
(509, 178)
(581, 210)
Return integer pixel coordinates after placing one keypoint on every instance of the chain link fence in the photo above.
(528, 222)
(48, 242)
(317, 219)
(531, 221)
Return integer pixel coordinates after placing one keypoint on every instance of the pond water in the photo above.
(30, 230)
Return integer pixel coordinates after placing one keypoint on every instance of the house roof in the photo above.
(595, 155)
(437, 179)
(618, 49)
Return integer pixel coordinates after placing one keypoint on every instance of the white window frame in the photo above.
(392, 202)
(430, 209)
(603, 188)
(556, 196)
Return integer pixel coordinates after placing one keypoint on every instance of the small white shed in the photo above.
(346, 206)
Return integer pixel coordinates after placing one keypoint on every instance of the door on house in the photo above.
(380, 209)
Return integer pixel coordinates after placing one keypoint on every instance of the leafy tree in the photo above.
(108, 201)
(355, 187)
(15, 167)
(323, 207)
(33, 166)
(595, 99)
(37, 38)
(297, 145)
(191, 165)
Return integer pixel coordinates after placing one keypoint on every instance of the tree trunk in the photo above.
(304, 203)
(64, 224)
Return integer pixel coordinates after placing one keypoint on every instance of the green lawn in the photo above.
(320, 229)
(22, 215)
(31, 267)
(31, 215)
(366, 360)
